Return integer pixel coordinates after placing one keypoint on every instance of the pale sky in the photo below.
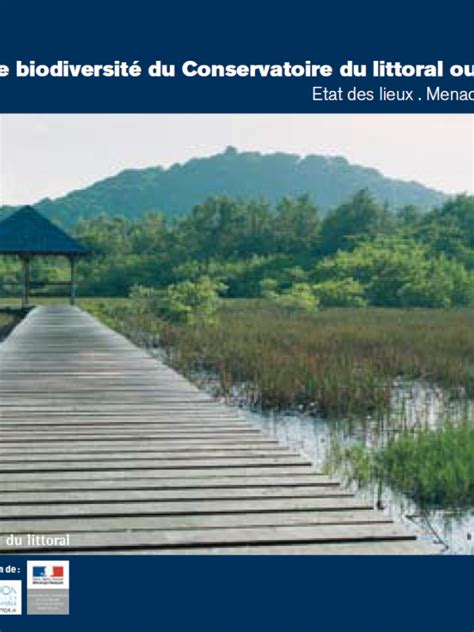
(50, 155)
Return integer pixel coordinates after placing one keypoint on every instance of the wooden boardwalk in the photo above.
(100, 441)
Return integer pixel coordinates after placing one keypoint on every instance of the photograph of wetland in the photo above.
(237, 334)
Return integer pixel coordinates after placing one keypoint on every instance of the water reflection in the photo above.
(414, 405)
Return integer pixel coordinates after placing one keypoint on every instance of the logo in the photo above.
(10, 597)
(42, 571)
(48, 587)
(54, 574)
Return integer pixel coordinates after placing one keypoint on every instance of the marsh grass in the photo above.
(432, 467)
(335, 363)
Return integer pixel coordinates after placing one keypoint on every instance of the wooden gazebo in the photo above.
(28, 234)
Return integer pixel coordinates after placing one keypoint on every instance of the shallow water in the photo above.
(314, 436)
(413, 404)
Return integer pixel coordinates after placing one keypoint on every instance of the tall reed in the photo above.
(338, 362)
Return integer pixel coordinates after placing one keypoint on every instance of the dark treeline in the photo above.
(361, 252)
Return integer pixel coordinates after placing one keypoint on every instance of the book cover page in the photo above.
(237, 317)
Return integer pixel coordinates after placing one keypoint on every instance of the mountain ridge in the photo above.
(174, 190)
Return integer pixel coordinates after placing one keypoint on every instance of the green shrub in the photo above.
(300, 296)
(268, 288)
(341, 293)
(400, 273)
(191, 301)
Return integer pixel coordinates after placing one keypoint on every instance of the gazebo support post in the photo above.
(26, 281)
(72, 261)
(27, 234)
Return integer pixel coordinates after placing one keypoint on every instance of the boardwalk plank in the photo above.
(211, 473)
(166, 483)
(146, 494)
(146, 523)
(201, 507)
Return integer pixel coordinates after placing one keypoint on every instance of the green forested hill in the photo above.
(174, 191)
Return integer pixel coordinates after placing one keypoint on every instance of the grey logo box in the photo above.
(48, 601)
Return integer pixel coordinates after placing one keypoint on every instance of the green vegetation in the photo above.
(336, 362)
(190, 302)
(300, 296)
(435, 468)
(359, 254)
